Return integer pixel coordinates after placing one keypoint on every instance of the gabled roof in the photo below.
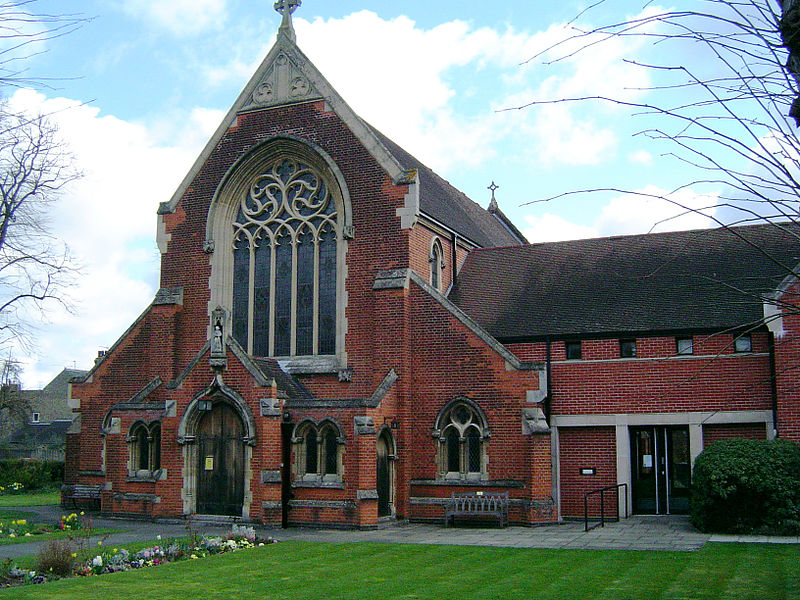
(702, 280)
(287, 76)
(451, 207)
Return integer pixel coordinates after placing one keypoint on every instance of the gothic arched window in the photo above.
(436, 260)
(319, 451)
(285, 262)
(144, 448)
(462, 433)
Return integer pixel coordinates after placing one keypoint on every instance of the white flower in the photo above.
(97, 561)
(32, 573)
(158, 537)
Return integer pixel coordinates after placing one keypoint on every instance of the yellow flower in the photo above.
(99, 543)
(74, 555)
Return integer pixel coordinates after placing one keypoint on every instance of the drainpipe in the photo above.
(455, 259)
(773, 378)
(549, 395)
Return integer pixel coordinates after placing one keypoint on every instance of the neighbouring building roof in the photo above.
(451, 207)
(688, 280)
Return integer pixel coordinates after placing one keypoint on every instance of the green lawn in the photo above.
(12, 515)
(309, 571)
(43, 498)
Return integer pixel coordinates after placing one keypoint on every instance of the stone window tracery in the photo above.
(318, 452)
(462, 434)
(285, 258)
(144, 448)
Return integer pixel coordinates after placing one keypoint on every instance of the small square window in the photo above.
(685, 345)
(35, 418)
(743, 343)
(573, 350)
(627, 348)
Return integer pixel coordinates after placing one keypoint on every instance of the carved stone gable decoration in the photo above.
(283, 83)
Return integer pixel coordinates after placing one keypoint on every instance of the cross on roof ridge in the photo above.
(287, 8)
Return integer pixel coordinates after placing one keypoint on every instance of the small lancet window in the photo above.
(437, 264)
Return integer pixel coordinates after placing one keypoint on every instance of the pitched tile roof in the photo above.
(689, 280)
(451, 207)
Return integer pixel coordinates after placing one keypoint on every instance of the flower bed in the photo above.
(101, 560)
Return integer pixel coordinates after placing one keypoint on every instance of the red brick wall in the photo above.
(787, 351)
(714, 378)
(448, 360)
(749, 431)
(587, 447)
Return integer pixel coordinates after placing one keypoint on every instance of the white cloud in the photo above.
(649, 209)
(404, 87)
(641, 157)
(108, 220)
(553, 228)
(181, 17)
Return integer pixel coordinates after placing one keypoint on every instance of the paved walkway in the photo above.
(636, 533)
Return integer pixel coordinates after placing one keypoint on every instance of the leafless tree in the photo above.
(34, 266)
(24, 32)
(722, 105)
(720, 102)
(34, 167)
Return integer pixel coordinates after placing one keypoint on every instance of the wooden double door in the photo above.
(221, 454)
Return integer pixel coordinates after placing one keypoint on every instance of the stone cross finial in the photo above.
(287, 8)
(493, 203)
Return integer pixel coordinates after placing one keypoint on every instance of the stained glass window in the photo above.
(331, 453)
(311, 451)
(285, 263)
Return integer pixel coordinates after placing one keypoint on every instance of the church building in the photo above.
(341, 338)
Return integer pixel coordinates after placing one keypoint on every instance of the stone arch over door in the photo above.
(385, 479)
(234, 420)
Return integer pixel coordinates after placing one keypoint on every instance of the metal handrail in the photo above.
(602, 491)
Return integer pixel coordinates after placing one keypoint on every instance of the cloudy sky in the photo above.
(142, 86)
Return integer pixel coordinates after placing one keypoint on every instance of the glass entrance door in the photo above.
(661, 469)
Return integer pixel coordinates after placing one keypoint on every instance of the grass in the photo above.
(42, 498)
(291, 570)
(33, 518)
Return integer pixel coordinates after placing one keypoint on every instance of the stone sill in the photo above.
(332, 485)
(499, 483)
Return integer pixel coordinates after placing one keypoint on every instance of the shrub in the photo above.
(56, 557)
(747, 486)
(32, 474)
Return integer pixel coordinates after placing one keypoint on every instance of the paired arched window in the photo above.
(462, 433)
(285, 261)
(318, 452)
(144, 447)
(436, 260)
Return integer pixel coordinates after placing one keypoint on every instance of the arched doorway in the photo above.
(221, 455)
(385, 473)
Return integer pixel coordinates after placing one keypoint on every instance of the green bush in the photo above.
(32, 474)
(747, 486)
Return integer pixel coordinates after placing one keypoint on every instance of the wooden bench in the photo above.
(76, 492)
(477, 505)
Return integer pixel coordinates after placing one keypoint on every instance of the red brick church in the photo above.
(341, 337)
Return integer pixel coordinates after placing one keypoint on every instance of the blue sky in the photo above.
(144, 84)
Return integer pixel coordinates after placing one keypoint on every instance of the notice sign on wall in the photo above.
(209, 463)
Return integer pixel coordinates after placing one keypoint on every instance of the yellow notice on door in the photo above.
(209, 463)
